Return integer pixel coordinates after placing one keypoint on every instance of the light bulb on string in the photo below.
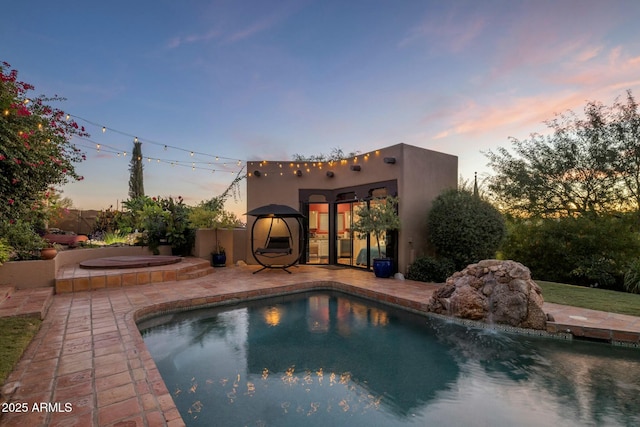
(104, 129)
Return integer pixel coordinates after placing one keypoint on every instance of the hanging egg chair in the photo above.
(277, 251)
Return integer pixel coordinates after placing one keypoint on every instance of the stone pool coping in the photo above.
(89, 352)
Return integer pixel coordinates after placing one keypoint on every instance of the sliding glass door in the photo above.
(350, 248)
(318, 246)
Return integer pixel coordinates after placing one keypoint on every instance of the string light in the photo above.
(165, 146)
(308, 166)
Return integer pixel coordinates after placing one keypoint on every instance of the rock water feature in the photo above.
(492, 291)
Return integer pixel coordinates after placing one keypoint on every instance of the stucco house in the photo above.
(329, 194)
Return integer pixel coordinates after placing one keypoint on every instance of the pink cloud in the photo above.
(505, 114)
(609, 70)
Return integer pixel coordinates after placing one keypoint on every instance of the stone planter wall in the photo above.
(42, 273)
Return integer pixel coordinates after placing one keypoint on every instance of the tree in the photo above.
(464, 228)
(626, 132)
(35, 147)
(587, 165)
(377, 218)
(335, 155)
(136, 185)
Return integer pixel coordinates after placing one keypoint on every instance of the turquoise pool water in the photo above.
(328, 359)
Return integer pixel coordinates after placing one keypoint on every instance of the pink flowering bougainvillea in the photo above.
(36, 151)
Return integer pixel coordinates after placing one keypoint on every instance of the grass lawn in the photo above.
(15, 335)
(592, 298)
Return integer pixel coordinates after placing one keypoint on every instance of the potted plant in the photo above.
(49, 251)
(218, 256)
(377, 218)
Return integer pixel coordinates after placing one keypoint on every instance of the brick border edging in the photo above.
(155, 380)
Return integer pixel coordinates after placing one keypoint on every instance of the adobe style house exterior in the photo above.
(329, 195)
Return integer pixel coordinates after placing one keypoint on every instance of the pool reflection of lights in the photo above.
(272, 315)
(323, 359)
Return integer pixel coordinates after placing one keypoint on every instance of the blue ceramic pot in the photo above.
(383, 267)
(218, 260)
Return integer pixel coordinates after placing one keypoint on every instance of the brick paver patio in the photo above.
(90, 355)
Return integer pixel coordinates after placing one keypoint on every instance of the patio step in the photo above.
(77, 279)
(26, 302)
(195, 273)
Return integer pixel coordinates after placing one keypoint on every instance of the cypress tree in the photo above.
(136, 186)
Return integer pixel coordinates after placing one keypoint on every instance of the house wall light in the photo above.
(356, 168)
(330, 174)
(390, 160)
(298, 172)
(256, 173)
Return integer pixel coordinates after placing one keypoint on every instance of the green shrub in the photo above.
(464, 228)
(588, 251)
(113, 237)
(5, 251)
(632, 277)
(430, 269)
(20, 235)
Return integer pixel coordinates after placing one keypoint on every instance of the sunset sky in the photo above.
(264, 80)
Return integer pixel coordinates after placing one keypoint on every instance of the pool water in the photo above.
(329, 359)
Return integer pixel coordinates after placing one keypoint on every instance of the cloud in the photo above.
(237, 30)
(254, 28)
(609, 69)
(505, 114)
(588, 53)
(453, 33)
(177, 42)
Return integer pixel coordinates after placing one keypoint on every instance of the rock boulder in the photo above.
(492, 291)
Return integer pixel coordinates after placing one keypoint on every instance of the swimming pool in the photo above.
(327, 358)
